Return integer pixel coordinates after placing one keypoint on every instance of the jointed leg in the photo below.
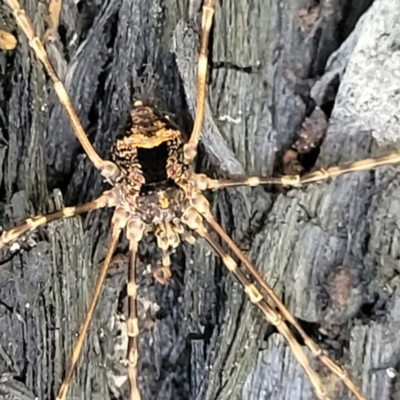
(203, 182)
(135, 231)
(297, 180)
(195, 223)
(167, 236)
(270, 315)
(107, 168)
(193, 218)
(315, 349)
(190, 149)
(35, 222)
(361, 165)
(118, 223)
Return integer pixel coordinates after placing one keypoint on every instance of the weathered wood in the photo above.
(201, 339)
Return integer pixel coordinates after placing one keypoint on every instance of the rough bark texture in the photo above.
(330, 250)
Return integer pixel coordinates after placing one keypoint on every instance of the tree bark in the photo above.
(329, 250)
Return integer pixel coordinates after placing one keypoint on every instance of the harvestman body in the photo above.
(166, 197)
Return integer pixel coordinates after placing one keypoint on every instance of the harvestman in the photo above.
(168, 199)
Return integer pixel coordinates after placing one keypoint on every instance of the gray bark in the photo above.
(329, 250)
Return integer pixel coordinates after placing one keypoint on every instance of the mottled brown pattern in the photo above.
(339, 286)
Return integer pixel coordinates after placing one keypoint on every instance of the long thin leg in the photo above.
(35, 222)
(361, 165)
(203, 182)
(195, 223)
(132, 324)
(190, 149)
(107, 168)
(118, 223)
(315, 349)
(167, 237)
(270, 315)
(135, 231)
(297, 180)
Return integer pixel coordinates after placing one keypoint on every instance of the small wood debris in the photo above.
(118, 264)
(310, 138)
(307, 19)
(7, 40)
(339, 286)
(312, 132)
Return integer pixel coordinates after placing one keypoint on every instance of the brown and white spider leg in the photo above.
(190, 148)
(105, 200)
(270, 315)
(204, 182)
(193, 219)
(356, 166)
(167, 236)
(134, 233)
(118, 223)
(107, 168)
(314, 348)
(195, 222)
